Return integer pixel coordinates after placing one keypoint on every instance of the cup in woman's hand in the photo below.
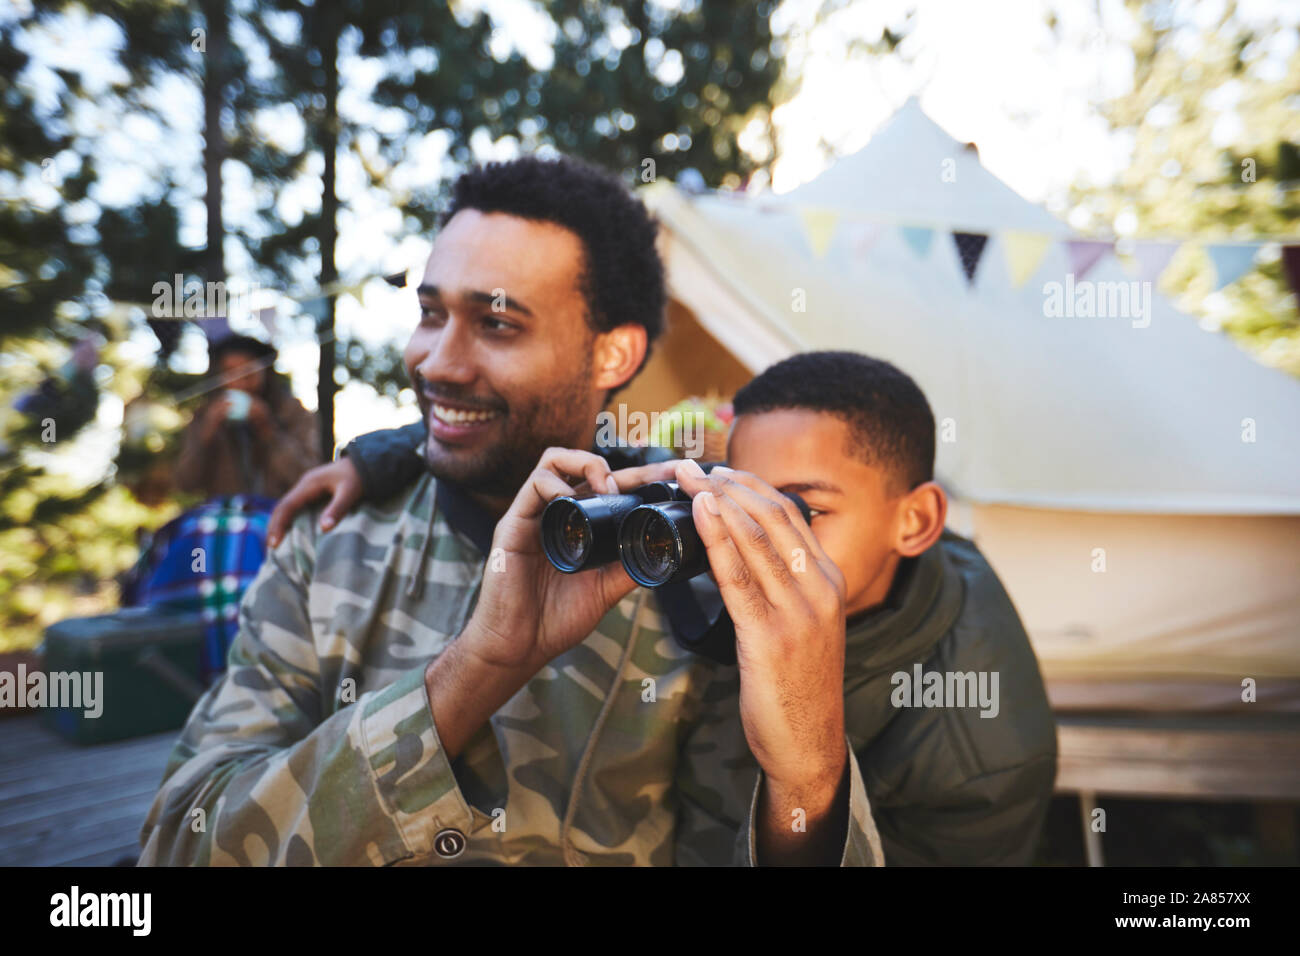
(239, 404)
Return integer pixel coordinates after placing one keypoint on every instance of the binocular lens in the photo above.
(658, 543)
(566, 534)
(581, 533)
(574, 537)
(656, 550)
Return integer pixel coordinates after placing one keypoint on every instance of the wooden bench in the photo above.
(1239, 757)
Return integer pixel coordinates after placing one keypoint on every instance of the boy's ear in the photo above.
(921, 517)
(618, 355)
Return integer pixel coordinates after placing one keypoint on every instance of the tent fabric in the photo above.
(1160, 443)
(1143, 413)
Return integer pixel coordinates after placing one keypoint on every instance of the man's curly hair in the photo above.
(622, 277)
(890, 422)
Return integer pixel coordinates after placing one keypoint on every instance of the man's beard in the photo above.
(527, 430)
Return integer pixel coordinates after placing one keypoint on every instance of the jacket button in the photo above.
(449, 843)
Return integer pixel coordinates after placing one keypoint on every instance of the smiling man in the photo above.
(420, 686)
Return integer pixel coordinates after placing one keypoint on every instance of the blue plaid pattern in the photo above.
(204, 560)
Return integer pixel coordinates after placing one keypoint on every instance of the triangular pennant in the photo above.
(1025, 251)
(1231, 262)
(819, 227)
(267, 316)
(1152, 258)
(1084, 254)
(215, 328)
(317, 307)
(919, 238)
(862, 237)
(1291, 266)
(970, 247)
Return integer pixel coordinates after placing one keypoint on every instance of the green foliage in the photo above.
(628, 83)
(1187, 81)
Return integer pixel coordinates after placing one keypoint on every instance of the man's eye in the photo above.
(496, 325)
(813, 513)
(429, 312)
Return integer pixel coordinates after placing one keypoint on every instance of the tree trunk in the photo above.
(326, 387)
(214, 143)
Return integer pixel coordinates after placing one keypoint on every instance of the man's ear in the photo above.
(922, 513)
(618, 355)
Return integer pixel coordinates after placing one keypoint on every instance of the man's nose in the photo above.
(450, 354)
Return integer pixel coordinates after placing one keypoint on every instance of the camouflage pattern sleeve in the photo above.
(270, 769)
(719, 782)
(861, 843)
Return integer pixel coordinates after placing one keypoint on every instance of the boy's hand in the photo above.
(339, 479)
(786, 598)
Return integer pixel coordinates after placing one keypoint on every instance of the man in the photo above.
(951, 781)
(252, 437)
(420, 686)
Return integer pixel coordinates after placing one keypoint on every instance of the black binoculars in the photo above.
(649, 528)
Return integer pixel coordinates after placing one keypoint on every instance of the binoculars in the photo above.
(650, 529)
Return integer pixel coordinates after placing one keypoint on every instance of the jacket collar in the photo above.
(464, 515)
(922, 606)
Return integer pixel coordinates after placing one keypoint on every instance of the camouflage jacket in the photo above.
(318, 744)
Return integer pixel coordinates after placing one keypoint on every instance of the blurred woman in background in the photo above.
(251, 437)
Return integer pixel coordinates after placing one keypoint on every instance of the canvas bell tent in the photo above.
(1134, 479)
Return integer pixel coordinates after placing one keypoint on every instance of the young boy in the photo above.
(944, 703)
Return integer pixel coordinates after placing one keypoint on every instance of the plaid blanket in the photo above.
(204, 560)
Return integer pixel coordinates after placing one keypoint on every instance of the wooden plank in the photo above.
(63, 803)
(40, 806)
(106, 827)
(1260, 762)
(21, 765)
(73, 772)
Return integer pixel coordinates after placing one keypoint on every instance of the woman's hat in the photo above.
(234, 342)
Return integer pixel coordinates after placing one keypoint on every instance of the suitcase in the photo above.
(149, 659)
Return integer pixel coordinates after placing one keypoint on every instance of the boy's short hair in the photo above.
(889, 419)
(623, 277)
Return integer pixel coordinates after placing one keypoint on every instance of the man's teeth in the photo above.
(457, 416)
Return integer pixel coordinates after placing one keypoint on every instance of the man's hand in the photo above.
(339, 479)
(786, 598)
(528, 612)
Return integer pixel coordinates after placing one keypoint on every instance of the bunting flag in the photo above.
(1291, 266)
(1025, 251)
(214, 328)
(1152, 258)
(862, 237)
(267, 317)
(1084, 254)
(818, 227)
(318, 307)
(1231, 262)
(970, 247)
(919, 238)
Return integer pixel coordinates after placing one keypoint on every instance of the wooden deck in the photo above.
(62, 804)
